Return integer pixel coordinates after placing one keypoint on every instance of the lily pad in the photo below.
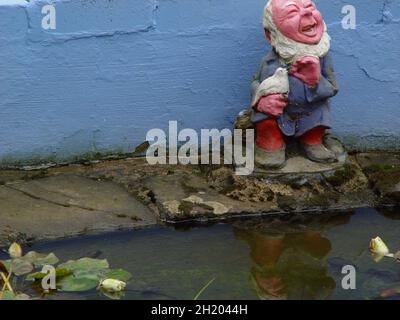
(73, 284)
(118, 274)
(8, 295)
(40, 259)
(89, 274)
(60, 272)
(85, 264)
(86, 274)
(72, 276)
(18, 266)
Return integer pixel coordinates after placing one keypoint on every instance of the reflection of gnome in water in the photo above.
(289, 263)
(291, 90)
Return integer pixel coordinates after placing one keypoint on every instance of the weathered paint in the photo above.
(113, 69)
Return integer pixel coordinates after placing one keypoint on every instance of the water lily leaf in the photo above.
(40, 259)
(71, 283)
(118, 274)
(88, 274)
(19, 266)
(22, 296)
(8, 295)
(85, 264)
(60, 272)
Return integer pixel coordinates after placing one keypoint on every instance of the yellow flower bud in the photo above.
(112, 285)
(377, 246)
(15, 250)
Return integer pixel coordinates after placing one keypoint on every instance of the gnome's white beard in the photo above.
(290, 50)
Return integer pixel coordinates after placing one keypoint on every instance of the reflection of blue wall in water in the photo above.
(114, 69)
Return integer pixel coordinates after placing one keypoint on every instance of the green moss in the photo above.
(287, 203)
(143, 194)
(185, 207)
(36, 175)
(385, 180)
(384, 169)
(341, 176)
(322, 200)
(188, 188)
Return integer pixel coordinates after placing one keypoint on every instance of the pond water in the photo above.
(291, 258)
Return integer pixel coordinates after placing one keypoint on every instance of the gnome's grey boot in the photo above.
(334, 145)
(318, 153)
(270, 159)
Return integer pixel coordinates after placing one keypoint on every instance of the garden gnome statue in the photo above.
(291, 90)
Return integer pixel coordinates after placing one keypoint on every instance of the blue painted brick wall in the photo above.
(113, 69)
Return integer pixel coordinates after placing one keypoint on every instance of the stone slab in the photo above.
(220, 194)
(102, 196)
(67, 205)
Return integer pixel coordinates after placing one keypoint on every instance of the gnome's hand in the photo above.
(308, 70)
(272, 104)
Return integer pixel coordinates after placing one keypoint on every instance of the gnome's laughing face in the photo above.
(298, 20)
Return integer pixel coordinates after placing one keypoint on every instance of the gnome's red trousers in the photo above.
(269, 136)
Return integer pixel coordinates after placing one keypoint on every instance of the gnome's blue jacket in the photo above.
(307, 107)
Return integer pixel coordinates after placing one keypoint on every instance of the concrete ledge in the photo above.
(127, 194)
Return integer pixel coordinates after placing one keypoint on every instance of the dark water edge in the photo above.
(294, 257)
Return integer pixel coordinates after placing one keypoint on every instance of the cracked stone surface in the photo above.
(101, 196)
(182, 196)
(67, 205)
(219, 193)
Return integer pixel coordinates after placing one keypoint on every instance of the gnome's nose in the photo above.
(308, 18)
(306, 12)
